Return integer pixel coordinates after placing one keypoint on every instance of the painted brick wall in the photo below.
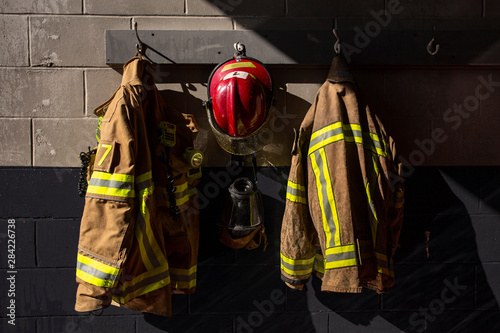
(53, 74)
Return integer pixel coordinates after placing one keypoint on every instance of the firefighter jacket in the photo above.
(139, 230)
(344, 201)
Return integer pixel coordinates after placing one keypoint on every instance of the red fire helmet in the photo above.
(240, 95)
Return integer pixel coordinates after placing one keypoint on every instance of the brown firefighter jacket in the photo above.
(344, 204)
(132, 252)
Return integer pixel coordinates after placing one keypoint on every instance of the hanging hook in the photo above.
(140, 46)
(240, 51)
(431, 46)
(337, 45)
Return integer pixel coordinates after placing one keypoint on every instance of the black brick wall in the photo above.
(456, 289)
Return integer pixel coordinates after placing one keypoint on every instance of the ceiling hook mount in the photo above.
(337, 46)
(432, 47)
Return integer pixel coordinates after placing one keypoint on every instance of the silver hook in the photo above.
(430, 47)
(140, 45)
(337, 45)
(240, 51)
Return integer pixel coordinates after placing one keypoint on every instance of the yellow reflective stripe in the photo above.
(183, 271)
(296, 186)
(244, 64)
(297, 261)
(295, 198)
(341, 256)
(373, 217)
(98, 265)
(319, 263)
(296, 267)
(326, 129)
(161, 273)
(295, 272)
(144, 211)
(341, 249)
(296, 192)
(183, 284)
(328, 140)
(183, 278)
(352, 133)
(371, 205)
(382, 263)
(341, 263)
(145, 176)
(113, 176)
(331, 225)
(110, 191)
(94, 280)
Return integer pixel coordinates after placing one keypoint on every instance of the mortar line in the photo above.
(32, 141)
(29, 41)
(84, 92)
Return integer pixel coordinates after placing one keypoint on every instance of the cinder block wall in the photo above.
(53, 74)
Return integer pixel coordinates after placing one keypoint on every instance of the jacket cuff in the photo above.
(294, 284)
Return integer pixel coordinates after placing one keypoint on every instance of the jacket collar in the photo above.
(134, 71)
(339, 71)
(133, 74)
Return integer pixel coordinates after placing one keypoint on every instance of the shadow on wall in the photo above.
(445, 292)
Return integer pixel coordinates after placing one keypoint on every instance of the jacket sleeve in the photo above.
(107, 224)
(297, 234)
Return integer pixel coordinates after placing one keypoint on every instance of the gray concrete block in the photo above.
(441, 9)
(14, 44)
(22, 325)
(327, 8)
(24, 193)
(234, 8)
(235, 293)
(15, 142)
(100, 85)
(183, 23)
(24, 242)
(58, 142)
(490, 190)
(185, 323)
(283, 23)
(61, 253)
(369, 321)
(71, 40)
(41, 93)
(87, 323)
(126, 7)
(49, 7)
(487, 229)
(47, 292)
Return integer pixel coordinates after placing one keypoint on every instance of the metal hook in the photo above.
(337, 45)
(430, 47)
(139, 45)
